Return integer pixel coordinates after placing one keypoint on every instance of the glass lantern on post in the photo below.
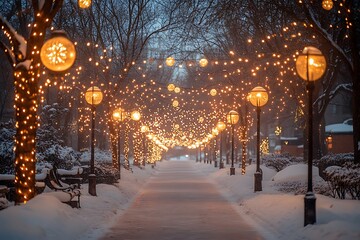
(310, 66)
(119, 116)
(221, 127)
(258, 97)
(93, 96)
(232, 118)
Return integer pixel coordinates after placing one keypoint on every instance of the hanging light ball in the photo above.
(84, 3)
(213, 92)
(93, 96)
(327, 4)
(203, 62)
(177, 90)
(58, 53)
(175, 103)
(171, 87)
(170, 61)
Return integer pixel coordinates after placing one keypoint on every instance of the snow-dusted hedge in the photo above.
(280, 161)
(332, 160)
(59, 156)
(293, 179)
(344, 181)
(7, 133)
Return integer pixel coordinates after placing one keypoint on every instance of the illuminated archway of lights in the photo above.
(187, 116)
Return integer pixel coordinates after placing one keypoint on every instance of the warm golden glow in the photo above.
(119, 115)
(203, 62)
(213, 92)
(58, 53)
(311, 64)
(144, 129)
(84, 3)
(258, 96)
(175, 103)
(135, 115)
(93, 96)
(171, 87)
(220, 126)
(177, 90)
(170, 61)
(232, 117)
(327, 4)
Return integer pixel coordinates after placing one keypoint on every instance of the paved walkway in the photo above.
(179, 203)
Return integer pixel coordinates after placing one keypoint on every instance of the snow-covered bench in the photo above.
(71, 197)
(66, 193)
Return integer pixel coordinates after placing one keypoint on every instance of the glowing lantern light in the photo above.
(203, 62)
(170, 61)
(258, 96)
(232, 117)
(220, 126)
(327, 4)
(58, 53)
(177, 90)
(84, 3)
(93, 96)
(144, 129)
(135, 115)
(213, 92)
(311, 64)
(171, 87)
(175, 103)
(119, 115)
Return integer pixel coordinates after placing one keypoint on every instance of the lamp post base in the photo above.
(257, 182)
(310, 208)
(215, 164)
(232, 171)
(92, 184)
(221, 165)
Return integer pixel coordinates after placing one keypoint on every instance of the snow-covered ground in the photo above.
(274, 214)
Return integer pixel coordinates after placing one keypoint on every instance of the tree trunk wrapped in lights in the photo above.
(24, 56)
(114, 144)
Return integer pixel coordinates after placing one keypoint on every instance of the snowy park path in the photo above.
(180, 203)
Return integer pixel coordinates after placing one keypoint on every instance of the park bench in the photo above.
(66, 193)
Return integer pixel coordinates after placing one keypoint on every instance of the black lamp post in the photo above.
(221, 127)
(93, 96)
(232, 118)
(135, 116)
(144, 129)
(119, 115)
(310, 66)
(258, 98)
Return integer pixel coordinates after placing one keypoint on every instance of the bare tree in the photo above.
(23, 52)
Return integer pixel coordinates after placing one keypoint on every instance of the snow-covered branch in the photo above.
(348, 87)
(328, 37)
(18, 42)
